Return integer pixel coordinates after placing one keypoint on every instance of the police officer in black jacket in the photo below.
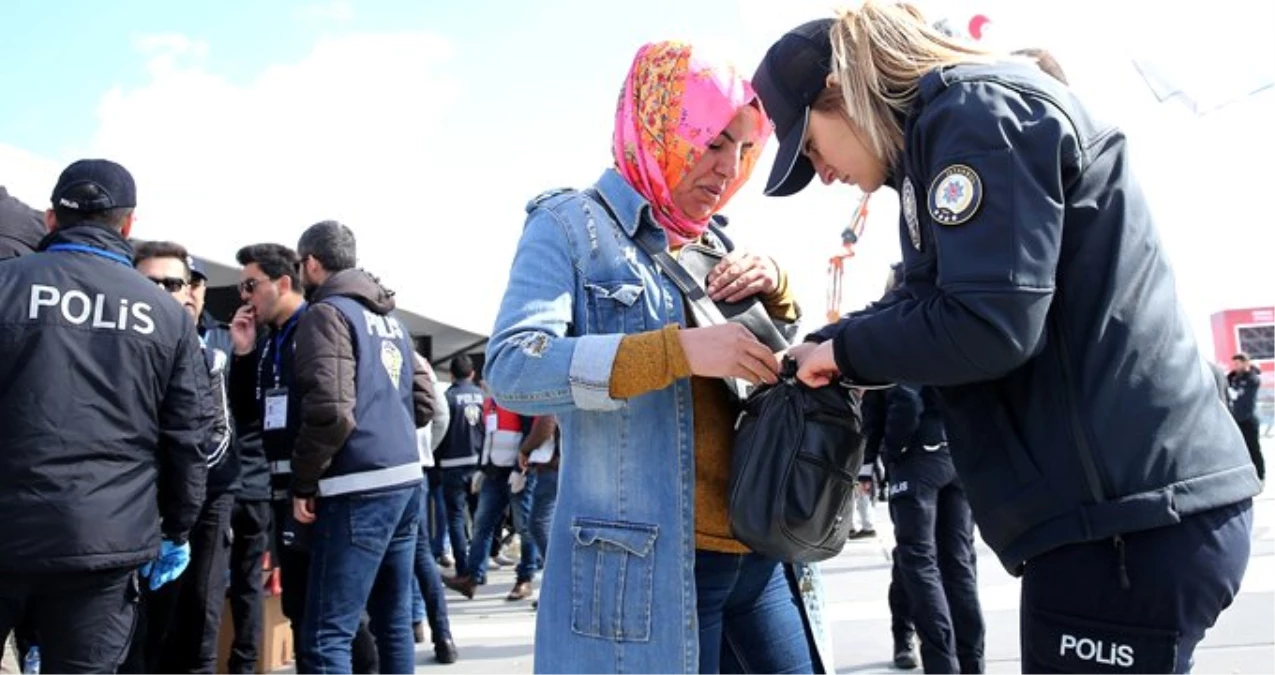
(1038, 300)
(104, 410)
(933, 531)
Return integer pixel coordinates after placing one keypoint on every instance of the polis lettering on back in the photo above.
(77, 308)
(1097, 651)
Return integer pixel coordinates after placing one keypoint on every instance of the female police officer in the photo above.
(1038, 299)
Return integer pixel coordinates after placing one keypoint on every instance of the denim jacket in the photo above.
(618, 593)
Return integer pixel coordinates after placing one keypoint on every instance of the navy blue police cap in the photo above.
(788, 81)
(114, 187)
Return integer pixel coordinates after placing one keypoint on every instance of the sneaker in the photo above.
(463, 585)
(521, 591)
(445, 651)
(445, 560)
(864, 534)
(418, 632)
(503, 561)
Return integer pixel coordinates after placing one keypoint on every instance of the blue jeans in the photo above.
(455, 497)
(362, 556)
(543, 500)
(436, 514)
(493, 499)
(749, 617)
(428, 601)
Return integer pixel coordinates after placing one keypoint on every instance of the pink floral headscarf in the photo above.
(672, 107)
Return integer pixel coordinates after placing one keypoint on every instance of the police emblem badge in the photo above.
(909, 213)
(955, 195)
(392, 359)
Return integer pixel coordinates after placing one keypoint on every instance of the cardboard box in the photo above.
(276, 637)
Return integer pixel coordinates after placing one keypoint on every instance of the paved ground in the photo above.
(495, 636)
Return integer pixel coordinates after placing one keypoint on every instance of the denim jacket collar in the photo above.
(629, 206)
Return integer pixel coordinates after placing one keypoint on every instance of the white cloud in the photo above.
(353, 132)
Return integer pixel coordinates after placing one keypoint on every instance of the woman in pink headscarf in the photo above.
(643, 573)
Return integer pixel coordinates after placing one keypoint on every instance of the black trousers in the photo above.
(1077, 616)
(178, 623)
(250, 525)
(82, 621)
(934, 531)
(1249, 429)
(900, 614)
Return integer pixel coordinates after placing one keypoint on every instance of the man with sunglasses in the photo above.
(263, 392)
(177, 632)
(104, 416)
(250, 517)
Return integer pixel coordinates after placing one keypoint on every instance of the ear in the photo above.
(50, 220)
(127, 225)
(831, 80)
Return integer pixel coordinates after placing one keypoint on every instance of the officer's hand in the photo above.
(303, 510)
(817, 367)
(728, 350)
(798, 351)
(243, 330)
(742, 275)
(172, 561)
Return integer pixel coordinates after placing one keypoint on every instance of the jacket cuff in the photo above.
(590, 372)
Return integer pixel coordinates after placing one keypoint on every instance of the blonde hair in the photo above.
(879, 54)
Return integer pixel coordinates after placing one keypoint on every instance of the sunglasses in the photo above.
(170, 284)
(249, 286)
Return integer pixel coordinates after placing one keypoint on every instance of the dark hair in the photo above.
(329, 242)
(1240, 357)
(67, 217)
(275, 260)
(161, 249)
(1045, 61)
(462, 367)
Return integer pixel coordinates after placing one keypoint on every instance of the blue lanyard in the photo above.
(91, 250)
(280, 338)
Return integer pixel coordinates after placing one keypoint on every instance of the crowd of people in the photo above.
(1027, 371)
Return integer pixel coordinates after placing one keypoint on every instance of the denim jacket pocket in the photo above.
(615, 307)
(612, 564)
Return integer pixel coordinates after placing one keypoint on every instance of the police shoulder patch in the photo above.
(955, 195)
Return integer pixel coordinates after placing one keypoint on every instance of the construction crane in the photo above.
(837, 263)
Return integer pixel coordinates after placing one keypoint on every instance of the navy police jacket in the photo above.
(105, 409)
(1038, 298)
(362, 393)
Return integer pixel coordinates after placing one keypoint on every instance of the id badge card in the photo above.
(276, 414)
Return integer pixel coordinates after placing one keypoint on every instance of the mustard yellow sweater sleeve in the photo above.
(781, 304)
(648, 361)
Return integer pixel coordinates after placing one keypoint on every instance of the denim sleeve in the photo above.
(535, 365)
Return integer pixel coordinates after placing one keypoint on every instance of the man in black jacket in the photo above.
(1243, 382)
(250, 517)
(263, 394)
(104, 412)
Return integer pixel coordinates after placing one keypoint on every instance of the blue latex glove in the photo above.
(172, 561)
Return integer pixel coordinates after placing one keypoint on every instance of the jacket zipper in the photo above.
(1087, 463)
